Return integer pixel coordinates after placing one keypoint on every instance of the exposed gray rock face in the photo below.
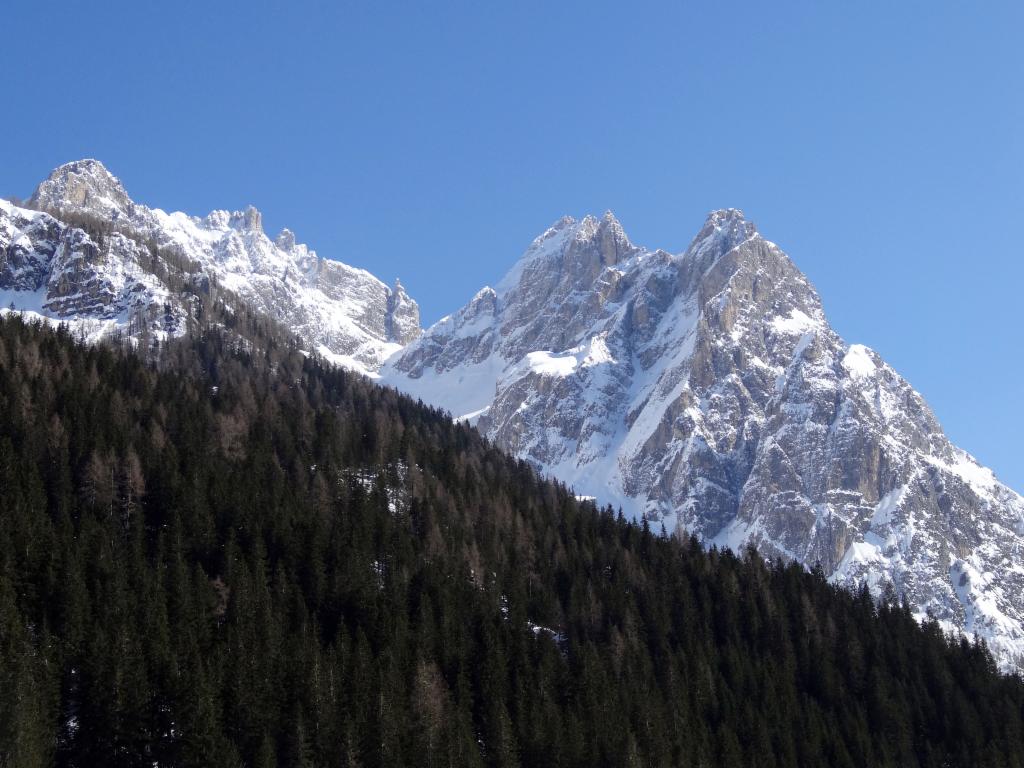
(342, 312)
(83, 185)
(29, 241)
(402, 322)
(706, 390)
(51, 270)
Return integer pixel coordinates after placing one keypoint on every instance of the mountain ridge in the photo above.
(704, 389)
(346, 313)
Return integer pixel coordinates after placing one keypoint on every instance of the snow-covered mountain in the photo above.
(84, 253)
(706, 390)
(703, 390)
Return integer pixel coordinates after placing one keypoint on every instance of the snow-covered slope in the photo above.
(706, 390)
(101, 262)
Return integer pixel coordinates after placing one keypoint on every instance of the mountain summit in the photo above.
(707, 392)
(83, 185)
(84, 253)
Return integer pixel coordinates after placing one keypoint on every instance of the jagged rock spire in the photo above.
(402, 322)
(249, 220)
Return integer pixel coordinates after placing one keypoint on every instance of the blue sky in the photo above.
(880, 144)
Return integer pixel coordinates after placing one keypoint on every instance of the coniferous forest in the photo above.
(227, 553)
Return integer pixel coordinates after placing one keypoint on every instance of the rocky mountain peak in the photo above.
(285, 240)
(83, 185)
(723, 230)
(343, 313)
(607, 236)
(249, 221)
(708, 392)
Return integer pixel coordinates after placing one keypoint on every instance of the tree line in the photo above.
(235, 554)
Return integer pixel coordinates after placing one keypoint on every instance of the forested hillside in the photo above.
(229, 557)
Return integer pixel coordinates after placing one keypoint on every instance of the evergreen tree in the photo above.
(235, 554)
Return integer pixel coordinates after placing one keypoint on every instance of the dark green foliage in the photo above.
(251, 559)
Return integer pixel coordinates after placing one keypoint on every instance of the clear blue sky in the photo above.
(881, 144)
